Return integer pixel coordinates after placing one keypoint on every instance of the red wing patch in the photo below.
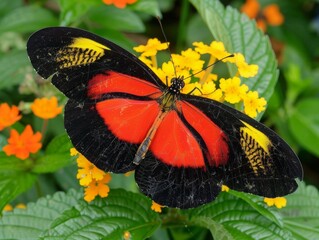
(175, 145)
(214, 137)
(129, 120)
(118, 82)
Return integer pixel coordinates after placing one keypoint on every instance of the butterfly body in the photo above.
(122, 117)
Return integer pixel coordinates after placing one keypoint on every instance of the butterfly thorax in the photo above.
(169, 97)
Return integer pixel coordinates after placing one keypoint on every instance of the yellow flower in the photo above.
(96, 188)
(232, 89)
(189, 60)
(127, 235)
(8, 116)
(73, 152)
(8, 208)
(93, 179)
(279, 202)
(87, 171)
(190, 87)
(146, 60)
(215, 49)
(151, 48)
(200, 80)
(156, 207)
(46, 108)
(253, 104)
(22, 145)
(225, 188)
(244, 69)
(21, 206)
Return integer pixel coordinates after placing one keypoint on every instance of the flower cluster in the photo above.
(269, 15)
(9, 207)
(198, 76)
(28, 142)
(91, 178)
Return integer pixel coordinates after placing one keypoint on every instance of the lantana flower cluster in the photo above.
(91, 178)
(264, 16)
(21, 145)
(199, 76)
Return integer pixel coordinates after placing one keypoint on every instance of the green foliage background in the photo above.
(55, 205)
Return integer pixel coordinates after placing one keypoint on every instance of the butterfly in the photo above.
(183, 148)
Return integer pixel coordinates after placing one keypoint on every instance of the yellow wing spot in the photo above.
(86, 43)
(262, 140)
(256, 147)
(81, 51)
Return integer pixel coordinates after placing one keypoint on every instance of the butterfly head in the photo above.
(177, 84)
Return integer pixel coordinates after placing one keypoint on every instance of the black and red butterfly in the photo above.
(122, 117)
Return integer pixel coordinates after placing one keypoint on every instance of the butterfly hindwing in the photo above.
(259, 161)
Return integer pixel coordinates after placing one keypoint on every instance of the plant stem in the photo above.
(181, 33)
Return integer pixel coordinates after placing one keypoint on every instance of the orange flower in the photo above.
(46, 108)
(119, 3)
(8, 116)
(273, 15)
(251, 8)
(270, 15)
(22, 145)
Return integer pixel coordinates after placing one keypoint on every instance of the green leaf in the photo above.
(147, 6)
(29, 223)
(59, 144)
(9, 5)
(57, 155)
(11, 76)
(13, 183)
(107, 218)
(240, 34)
(27, 19)
(66, 177)
(256, 202)
(113, 18)
(13, 164)
(73, 10)
(304, 124)
(301, 215)
(217, 230)
(238, 219)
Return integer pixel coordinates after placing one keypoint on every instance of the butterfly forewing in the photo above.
(73, 57)
(199, 144)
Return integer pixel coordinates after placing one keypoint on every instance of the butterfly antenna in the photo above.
(169, 50)
(219, 60)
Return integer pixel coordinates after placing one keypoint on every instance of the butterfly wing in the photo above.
(237, 151)
(112, 93)
(72, 57)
